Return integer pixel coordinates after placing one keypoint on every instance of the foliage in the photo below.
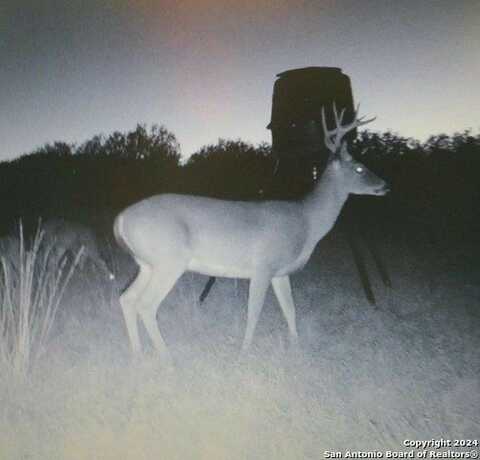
(229, 169)
(434, 183)
(104, 173)
(57, 149)
(140, 144)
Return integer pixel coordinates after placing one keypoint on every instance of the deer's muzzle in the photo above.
(382, 190)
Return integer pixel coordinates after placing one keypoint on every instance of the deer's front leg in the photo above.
(256, 297)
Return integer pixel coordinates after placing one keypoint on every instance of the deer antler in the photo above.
(341, 130)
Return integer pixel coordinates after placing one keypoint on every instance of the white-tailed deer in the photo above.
(57, 241)
(265, 242)
(65, 239)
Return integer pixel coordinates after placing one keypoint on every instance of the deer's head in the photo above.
(353, 176)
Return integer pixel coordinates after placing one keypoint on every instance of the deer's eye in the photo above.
(359, 170)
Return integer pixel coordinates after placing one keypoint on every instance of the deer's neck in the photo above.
(324, 203)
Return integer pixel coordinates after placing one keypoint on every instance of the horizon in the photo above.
(207, 71)
(184, 158)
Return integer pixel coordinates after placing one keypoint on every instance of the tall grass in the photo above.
(32, 285)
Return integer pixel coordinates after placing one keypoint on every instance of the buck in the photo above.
(264, 242)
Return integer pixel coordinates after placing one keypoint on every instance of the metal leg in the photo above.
(207, 288)
(360, 264)
(375, 253)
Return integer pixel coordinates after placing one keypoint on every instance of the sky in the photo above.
(205, 68)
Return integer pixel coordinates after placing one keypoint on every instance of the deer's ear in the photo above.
(344, 152)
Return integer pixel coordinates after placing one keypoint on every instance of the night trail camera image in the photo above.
(210, 250)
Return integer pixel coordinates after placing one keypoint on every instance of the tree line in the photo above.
(434, 183)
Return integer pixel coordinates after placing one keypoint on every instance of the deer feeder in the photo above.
(298, 144)
(297, 134)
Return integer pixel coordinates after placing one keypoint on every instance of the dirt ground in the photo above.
(365, 378)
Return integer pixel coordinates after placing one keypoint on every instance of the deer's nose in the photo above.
(383, 190)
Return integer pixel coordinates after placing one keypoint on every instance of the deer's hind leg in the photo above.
(283, 292)
(161, 281)
(128, 303)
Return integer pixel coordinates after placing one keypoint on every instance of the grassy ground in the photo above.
(365, 378)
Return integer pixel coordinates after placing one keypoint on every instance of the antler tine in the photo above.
(357, 122)
(328, 142)
(335, 114)
(357, 110)
(324, 123)
(337, 132)
(361, 122)
(348, 127)
(330, 132)
(341, 130)
(338, 120)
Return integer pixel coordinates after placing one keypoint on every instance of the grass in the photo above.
(366, 378)
(31, 291)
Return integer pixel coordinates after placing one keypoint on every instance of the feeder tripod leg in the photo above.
(360, 264)
(375, 253)
(207, 288)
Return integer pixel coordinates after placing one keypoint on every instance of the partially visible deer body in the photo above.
(65, 239)
(262, 241)
(59, 239)
(56, 244)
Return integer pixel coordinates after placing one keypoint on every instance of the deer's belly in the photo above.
(244, 264)
(218, 269)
